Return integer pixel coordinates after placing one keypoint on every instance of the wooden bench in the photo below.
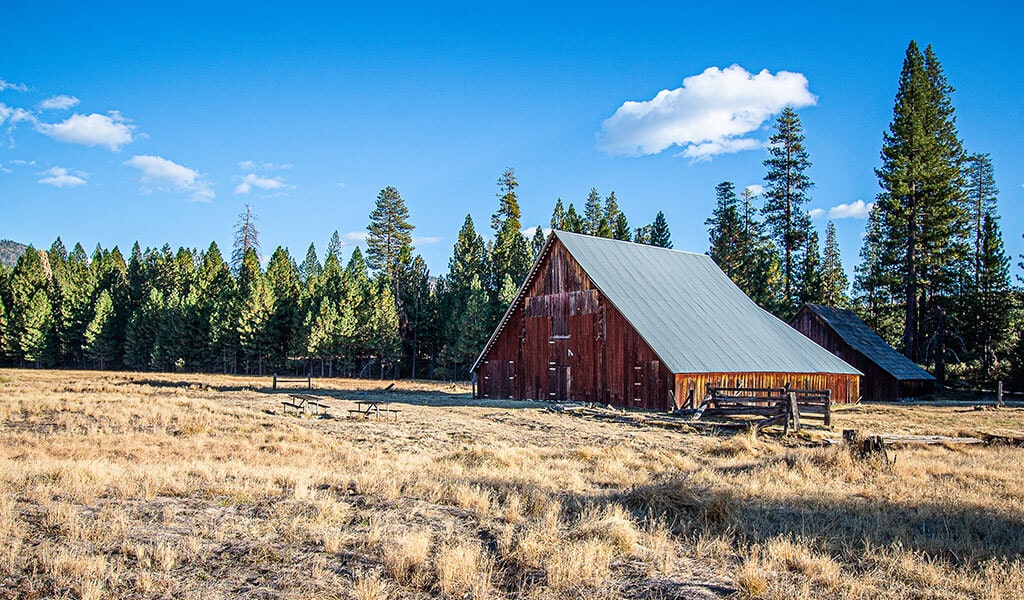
(305, 402)
(365, 408)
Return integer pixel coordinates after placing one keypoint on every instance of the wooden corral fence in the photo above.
(308, 380)
(777, 405)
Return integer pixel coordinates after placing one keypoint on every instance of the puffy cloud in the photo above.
(161, 174)
(709, 115)
(61, 102)
(59, 177)
(857, 209)
(356, 236)
(252, 180)
(426, 240)
(756, 189)
(18, 87)
(111, 130)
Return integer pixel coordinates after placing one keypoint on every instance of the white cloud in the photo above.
(356, 236)
(426, 240)
(161, 174)
(61, 102)
(710, 114)
(756, 189)
(252, 180)
(111, 130)
(59, 177)
(251, 165)
(857, 209)
(342, 184)
(529, 232)
(23, 163)
(18, 87)
(15, 115)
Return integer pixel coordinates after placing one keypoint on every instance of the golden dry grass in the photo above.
(117, 485)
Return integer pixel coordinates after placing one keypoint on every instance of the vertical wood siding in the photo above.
(877, 384)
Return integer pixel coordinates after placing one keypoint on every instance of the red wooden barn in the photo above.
(601, 320)
(888, 375)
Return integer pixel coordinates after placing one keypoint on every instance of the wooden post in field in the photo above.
(275, 381)
(794, 411)
(999, 395)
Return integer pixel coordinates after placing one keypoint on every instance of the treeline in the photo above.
(378, 314)
(933, 277)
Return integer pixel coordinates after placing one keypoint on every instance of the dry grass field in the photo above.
(117, 485)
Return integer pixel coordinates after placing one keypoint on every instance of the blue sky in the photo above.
(159, 123)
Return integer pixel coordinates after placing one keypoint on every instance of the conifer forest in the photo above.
(932, 278)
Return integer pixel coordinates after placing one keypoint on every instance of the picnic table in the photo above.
(375, 408)
(306, 403)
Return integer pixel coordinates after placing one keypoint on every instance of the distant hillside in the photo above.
(10, 251)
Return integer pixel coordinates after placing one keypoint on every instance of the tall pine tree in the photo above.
(786, 189)
(921, 207)
(833, 278)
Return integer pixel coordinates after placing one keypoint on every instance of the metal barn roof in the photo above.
(863, 339)
(689, 312)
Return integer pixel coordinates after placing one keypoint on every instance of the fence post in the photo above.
(795, 411)
(275, 381)
(828, 408)
(999, 395)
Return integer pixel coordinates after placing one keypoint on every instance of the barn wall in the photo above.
(877, 383)
(564, 341)
(845, 388)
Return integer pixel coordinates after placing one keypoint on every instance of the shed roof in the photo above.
(688, 311)
(863, 339)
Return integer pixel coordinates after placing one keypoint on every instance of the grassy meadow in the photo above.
(117, 485)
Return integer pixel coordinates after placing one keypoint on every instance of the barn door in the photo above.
(644, 390)
(559, 382)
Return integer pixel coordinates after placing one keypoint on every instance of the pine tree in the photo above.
(29, 315)
(573, 222)
(247, 237)
(785, 195)
(727, 245)
(334, 245)
(921, 208)
(36, 325)
(643, 235)
(141, 350)
(388, 231)
(537, 242)
(383, 326)
(283, 284)
(558, 216)
(310, 268)
(510, 254)
(593, 214)
(660, 235)
(833, 277)
(506, 295)
(982, 196)
(255, 306)
(876, 282)
(992, 302)
(100, 339)
(474, 327)
(810, 271)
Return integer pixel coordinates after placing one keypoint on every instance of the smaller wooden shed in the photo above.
(888, 375)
